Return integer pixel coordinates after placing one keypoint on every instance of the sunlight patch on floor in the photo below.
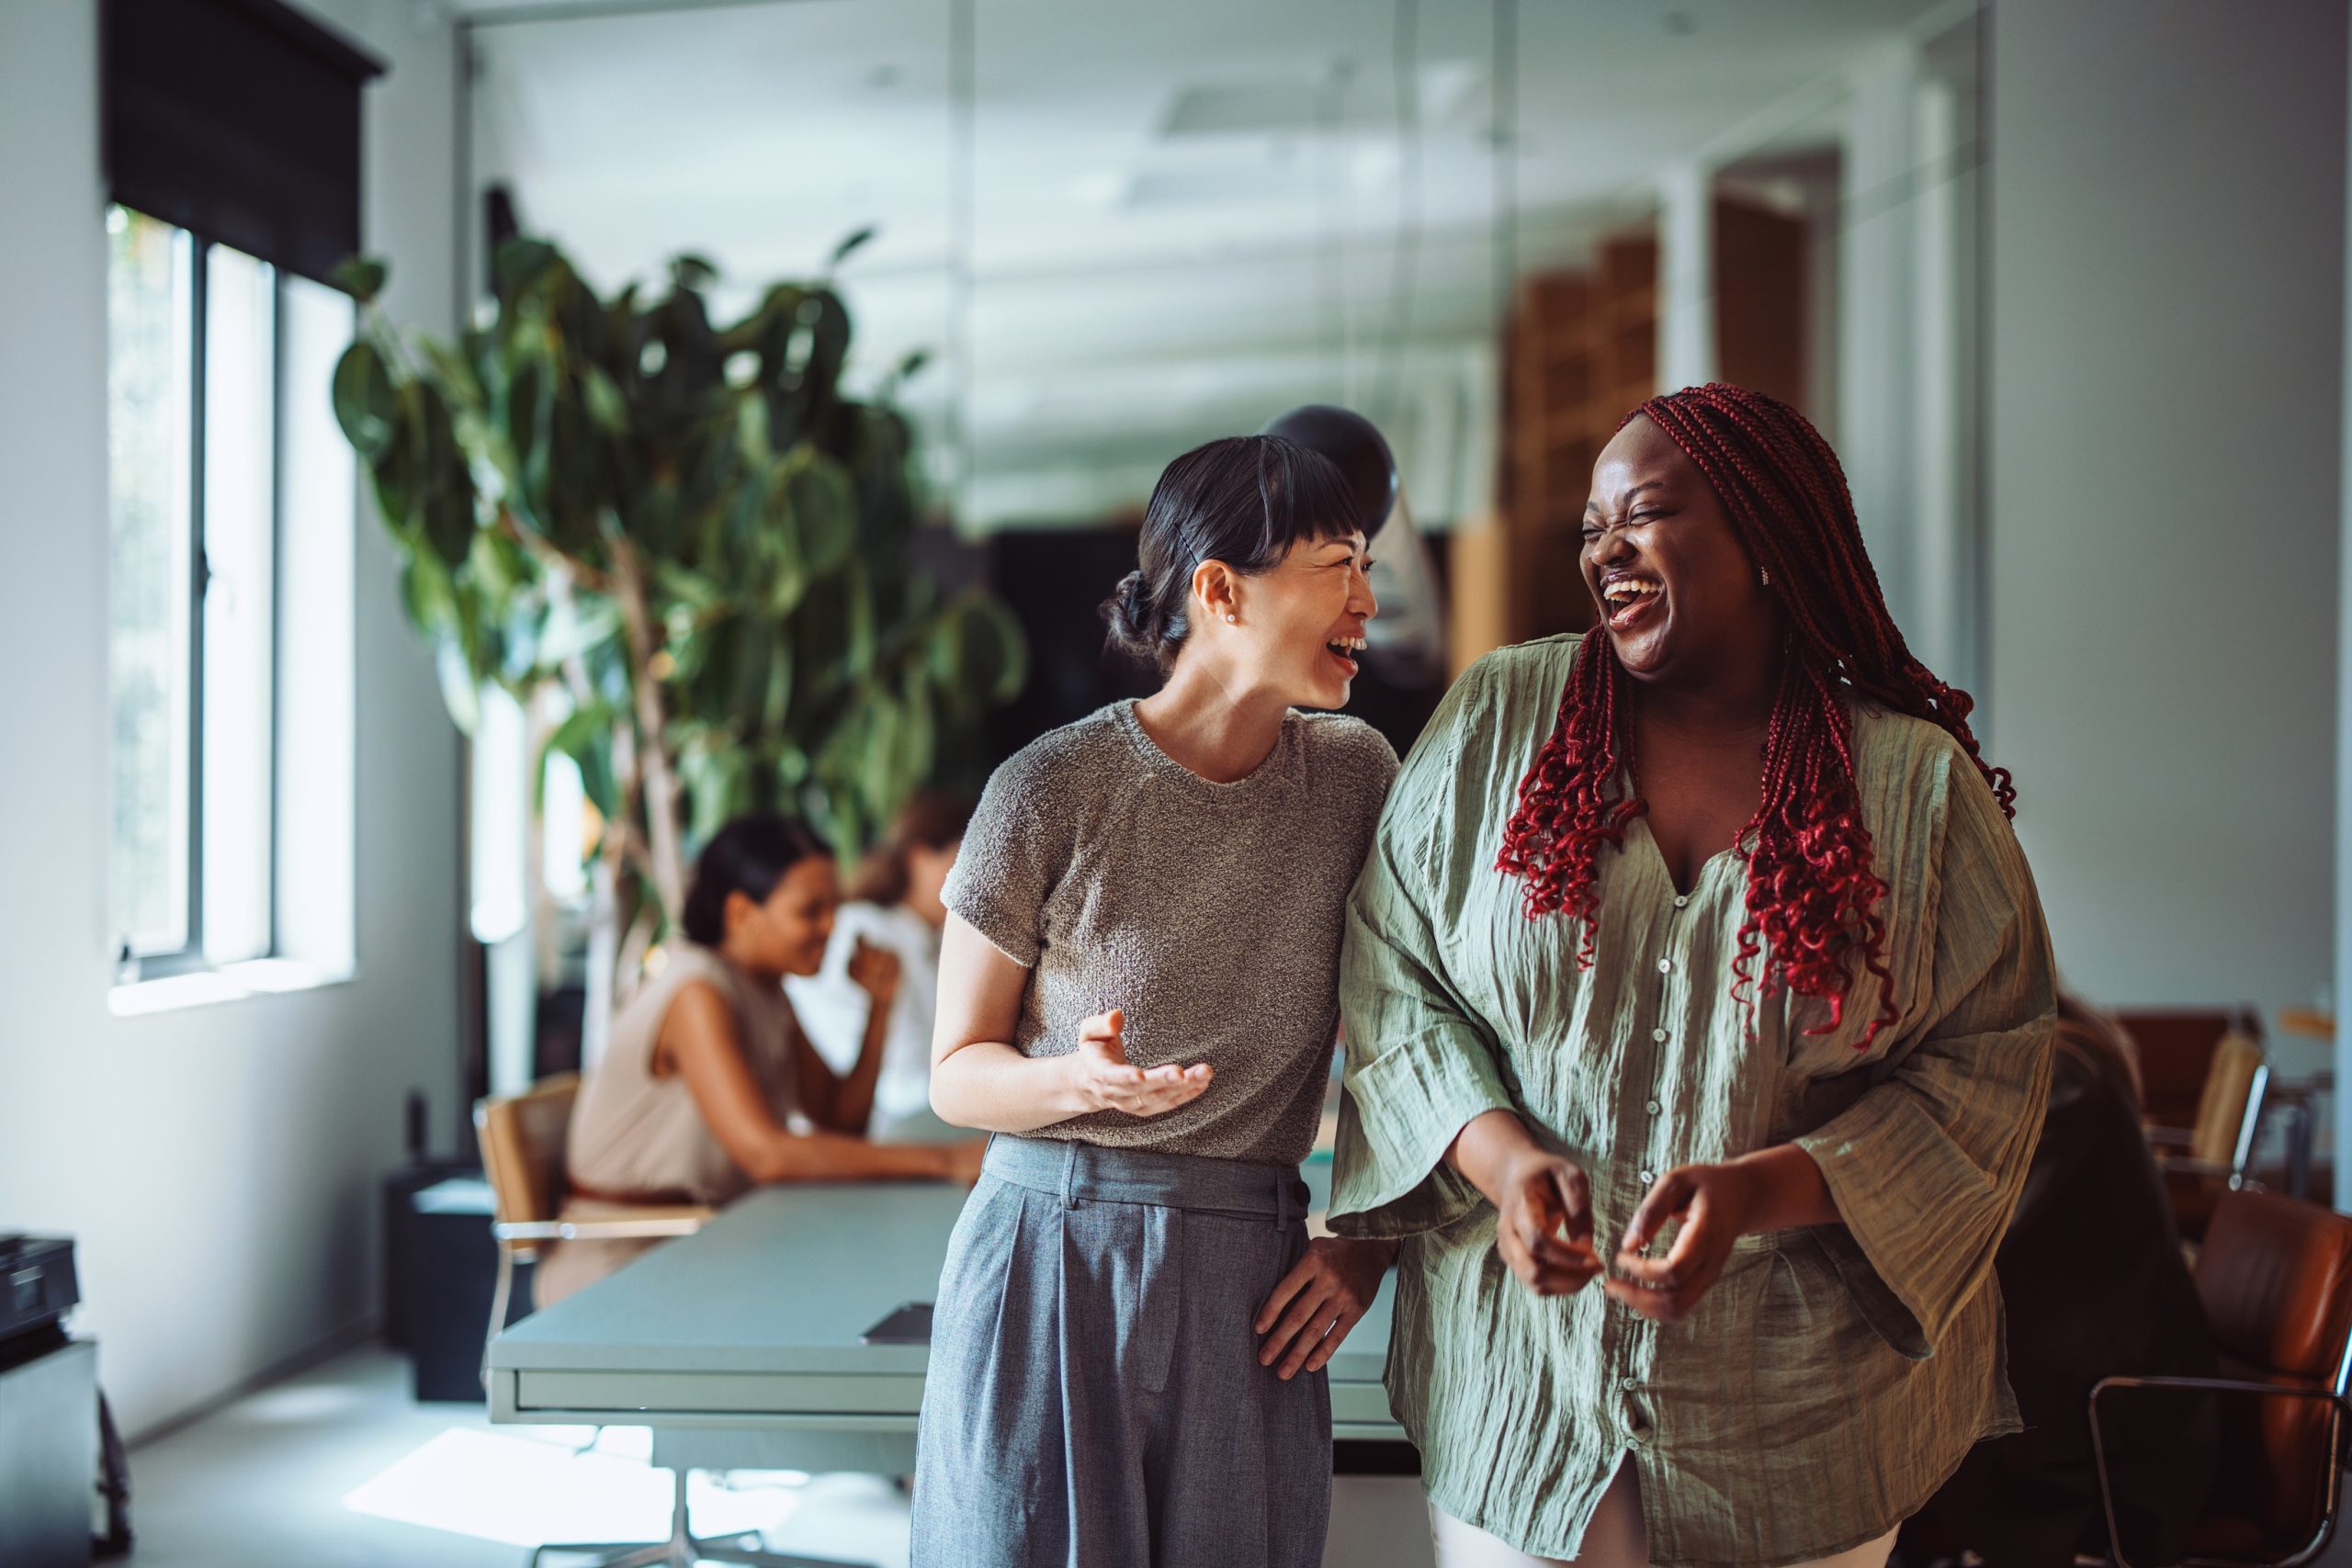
(527, 1491)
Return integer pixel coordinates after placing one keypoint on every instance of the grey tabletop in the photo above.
(753, 1325)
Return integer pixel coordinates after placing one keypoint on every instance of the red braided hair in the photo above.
(1811, 896)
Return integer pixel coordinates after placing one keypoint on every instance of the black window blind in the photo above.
(239, 120)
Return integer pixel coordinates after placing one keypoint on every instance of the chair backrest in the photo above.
(522, 1138)
(2221, 1106)
(2176, 1057)
(2275, 1277)
(2275, 1274)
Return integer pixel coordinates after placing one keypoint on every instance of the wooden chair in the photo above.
(523, 1138)
(2204, 1078)
(2275, 1274)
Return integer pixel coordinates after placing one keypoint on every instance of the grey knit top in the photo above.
(1211, 914)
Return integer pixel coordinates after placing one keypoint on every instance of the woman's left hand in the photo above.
(1318, 1301)
(875, 971)
(1716, 1204)
(1775, 1188)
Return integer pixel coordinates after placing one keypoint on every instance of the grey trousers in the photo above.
(1094, 1396)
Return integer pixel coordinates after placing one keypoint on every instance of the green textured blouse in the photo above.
(1836, 1375)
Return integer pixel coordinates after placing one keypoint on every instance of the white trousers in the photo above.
(1615, 1539)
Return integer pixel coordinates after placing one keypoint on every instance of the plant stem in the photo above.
(653, 731)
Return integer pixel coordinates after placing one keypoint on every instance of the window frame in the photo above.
(195, 576)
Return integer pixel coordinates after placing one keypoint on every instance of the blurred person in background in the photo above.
(2093, 1279)
(707, 1071)
(893, 906)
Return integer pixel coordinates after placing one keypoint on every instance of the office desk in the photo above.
(739, 1345)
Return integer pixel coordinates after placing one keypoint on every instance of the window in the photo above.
(231, 508)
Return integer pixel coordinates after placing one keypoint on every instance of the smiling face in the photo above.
(1678, 595)
(1300, 626)
(786, 932)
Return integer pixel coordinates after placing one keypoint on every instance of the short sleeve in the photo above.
(1014, 853)
(1926, 1167)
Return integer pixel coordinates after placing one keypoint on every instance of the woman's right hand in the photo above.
(1544, 1224)
(1107, 1080)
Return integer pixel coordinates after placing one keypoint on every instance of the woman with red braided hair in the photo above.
(1698, 1005)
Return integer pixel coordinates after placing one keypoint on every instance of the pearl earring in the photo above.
(1232, 618)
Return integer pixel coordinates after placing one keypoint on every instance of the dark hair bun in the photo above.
(1243, 501)
(1129, 613)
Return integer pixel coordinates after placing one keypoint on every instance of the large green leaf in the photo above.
(688, 586)
(426, 592)
(448, 516)
(775, 707)
(521, 263)
(362, 277)
(717, 777)
(459, 691)
(979, 648)
(823, 508)
(577, 625)
(826, 320)
(586, 736)
(849, 244)
(364, 402)
(446, 496)
(607, 407)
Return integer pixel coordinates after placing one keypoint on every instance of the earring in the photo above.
(1765, 577)
(1232, 619)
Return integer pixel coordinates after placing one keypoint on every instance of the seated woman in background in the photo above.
(894, 905)
(2095, 1286)
(707, 1068)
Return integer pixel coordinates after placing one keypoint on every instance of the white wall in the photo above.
(217, 1164)
(2167, 286)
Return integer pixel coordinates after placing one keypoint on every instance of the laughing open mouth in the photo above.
(1627, 599)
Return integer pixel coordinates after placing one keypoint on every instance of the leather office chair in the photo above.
(2275, 1276)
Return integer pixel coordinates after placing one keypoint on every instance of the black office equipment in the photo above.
(908, 1324)
(401, 1254)
(38, 1286)
(451, 1269)
(48, 1408)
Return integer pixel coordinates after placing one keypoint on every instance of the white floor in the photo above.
(338, 1468)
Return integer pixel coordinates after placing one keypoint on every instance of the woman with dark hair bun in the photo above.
(894, 907)
(1138, 997)
(706, 1063)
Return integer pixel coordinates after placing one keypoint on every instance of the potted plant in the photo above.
(690, 533)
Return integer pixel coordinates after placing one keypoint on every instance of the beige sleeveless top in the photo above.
(636, 1135)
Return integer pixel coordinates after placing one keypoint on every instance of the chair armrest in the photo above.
(653, 1223)
(2225, 1385)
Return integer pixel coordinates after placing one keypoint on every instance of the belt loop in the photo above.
(1069, 1173)
(1282, 1202)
